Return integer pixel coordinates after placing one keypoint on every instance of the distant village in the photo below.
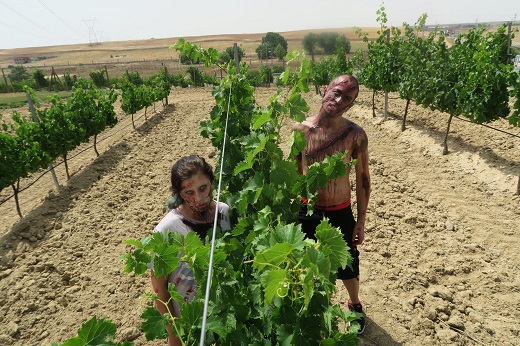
(26, 59)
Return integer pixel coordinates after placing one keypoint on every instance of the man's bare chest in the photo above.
(321, 144)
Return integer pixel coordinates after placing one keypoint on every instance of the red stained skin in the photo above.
(197, 194)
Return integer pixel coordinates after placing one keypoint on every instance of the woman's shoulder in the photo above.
(223, 207)
(174, 221)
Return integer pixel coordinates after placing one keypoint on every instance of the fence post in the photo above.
(35, 119)
(168, 81)
(5, 80)
(386, 92)
(108, 79)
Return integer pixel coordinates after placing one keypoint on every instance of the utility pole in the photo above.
(91, 32)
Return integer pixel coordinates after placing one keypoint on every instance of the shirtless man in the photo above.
(327, 133)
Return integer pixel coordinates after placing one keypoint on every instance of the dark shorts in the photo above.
(344, 219)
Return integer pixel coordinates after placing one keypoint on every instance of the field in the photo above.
(147, 56)
(440, 264)
(442, 232)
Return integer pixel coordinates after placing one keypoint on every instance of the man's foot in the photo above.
(358, 308)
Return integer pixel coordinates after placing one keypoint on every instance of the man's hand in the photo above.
(358, 235)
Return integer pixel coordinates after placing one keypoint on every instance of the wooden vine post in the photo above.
(108, 79)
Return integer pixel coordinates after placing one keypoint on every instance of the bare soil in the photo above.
(440, 265)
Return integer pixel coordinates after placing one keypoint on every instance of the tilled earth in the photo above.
(440, 264)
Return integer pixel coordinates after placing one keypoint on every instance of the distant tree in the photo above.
(19, 74)
(280, 52)
(98, 78)
(187, 61)
(263, 51)
(39, 78)
(343, 44)
(328, 40)
(269, 43)
(310, 42)
(229, 54)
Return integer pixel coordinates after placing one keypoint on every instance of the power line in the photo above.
(23, 31)
(30, 21)
(61, 20)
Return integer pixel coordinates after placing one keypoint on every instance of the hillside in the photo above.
(155, 49)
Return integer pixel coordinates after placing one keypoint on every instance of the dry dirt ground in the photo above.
(440, 265)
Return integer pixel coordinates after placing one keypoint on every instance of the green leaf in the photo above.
(191, 313)
(291, 234)
(275, 284)
(260, 120)
(333, 245)
(297, 143)
(273, 256)
(284, 173)
(284, 335)
(137, 262)
(94, 332)
(317, 262)
(154, 324)
(165, 260)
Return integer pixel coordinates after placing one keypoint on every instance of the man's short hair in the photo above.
(344, 79)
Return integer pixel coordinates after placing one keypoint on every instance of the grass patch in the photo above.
(15, 100)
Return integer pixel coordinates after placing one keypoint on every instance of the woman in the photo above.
(192, 210)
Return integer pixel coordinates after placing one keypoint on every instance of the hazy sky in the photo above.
(29, 23)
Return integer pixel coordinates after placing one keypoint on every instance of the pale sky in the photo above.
(30, 23)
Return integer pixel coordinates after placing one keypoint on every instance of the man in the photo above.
(326, 133)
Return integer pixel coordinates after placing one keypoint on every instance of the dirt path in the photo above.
(442, 231)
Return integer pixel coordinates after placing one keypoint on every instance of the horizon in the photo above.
(45, 23)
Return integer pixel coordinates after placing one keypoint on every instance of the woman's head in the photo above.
(191, 179)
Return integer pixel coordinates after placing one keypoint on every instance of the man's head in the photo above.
(339, 96)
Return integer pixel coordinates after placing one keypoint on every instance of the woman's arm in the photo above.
(160, 287)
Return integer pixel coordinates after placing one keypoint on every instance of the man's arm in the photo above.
(362, 187)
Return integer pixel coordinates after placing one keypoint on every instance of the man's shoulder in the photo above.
(352, 126)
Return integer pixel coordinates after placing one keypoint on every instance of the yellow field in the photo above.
(148, 55)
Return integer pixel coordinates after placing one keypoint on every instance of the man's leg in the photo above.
(354, 304)
(352, 286)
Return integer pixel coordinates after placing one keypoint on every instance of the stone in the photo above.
(130, 333)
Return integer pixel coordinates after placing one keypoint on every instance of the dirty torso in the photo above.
(325, 141)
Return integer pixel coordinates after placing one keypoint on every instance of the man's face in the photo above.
(339, 98)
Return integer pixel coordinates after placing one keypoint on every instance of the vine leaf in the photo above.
(94, 332)
(333, 244)
(274, 282)
(273, 256)
(154, 324)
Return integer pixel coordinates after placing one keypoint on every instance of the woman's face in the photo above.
(196, 192)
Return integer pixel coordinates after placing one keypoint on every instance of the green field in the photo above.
(14, 100)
